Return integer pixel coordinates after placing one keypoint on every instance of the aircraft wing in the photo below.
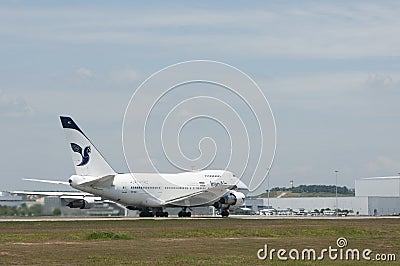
(69, 198)
(53, 193)
(199, 198)
(66, 195)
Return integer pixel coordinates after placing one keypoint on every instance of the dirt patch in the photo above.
(3, 253)
(173, 239)
(47, 243)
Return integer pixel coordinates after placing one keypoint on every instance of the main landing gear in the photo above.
(151, 213)
(161, 213)
(222, 208)
(184, 213)
(224, 213)
(146, 213)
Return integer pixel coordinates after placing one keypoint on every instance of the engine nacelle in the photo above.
(86, 203)
(231, 200)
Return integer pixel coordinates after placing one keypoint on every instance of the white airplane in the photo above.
(150, 193)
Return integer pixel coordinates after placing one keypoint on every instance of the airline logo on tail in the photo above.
(85, 155)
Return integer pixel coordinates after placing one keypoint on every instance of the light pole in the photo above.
(268, 190)
(336, 173)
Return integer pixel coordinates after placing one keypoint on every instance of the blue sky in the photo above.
(330, 71)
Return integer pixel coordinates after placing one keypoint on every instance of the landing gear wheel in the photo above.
(161, 213)
(224, 213)
(184, 214)
(146, 214)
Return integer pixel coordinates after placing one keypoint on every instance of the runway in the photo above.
(133, 218)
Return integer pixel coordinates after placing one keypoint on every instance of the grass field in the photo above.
(189, 241)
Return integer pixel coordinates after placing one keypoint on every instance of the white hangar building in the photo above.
(375, 196)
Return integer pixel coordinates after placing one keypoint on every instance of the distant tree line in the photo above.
(316, 189)
(21, 210)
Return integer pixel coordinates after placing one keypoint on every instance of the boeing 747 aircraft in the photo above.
(150, 193)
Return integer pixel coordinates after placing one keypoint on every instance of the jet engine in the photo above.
(85, 203)
(231, 200)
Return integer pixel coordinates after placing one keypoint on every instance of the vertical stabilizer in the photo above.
(88, 161)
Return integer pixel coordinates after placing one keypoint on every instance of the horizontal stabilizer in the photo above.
(100, 183)
(47, 181)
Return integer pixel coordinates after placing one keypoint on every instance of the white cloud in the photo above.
(383, 81)
(384, 165)
(125, 76)
(84, 72)
(326, 30)
(14, 106)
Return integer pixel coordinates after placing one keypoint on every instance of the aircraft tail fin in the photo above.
(88, 161)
